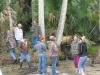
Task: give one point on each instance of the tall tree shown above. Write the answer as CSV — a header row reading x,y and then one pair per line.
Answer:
x,y
61,22
99,15
41,16
10,17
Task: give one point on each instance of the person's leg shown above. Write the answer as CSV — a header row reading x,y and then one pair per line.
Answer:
x,y
34,41
28,60
75,61
83,64
54,59
12,54
44,63
21,59
18,42
80,65
39,64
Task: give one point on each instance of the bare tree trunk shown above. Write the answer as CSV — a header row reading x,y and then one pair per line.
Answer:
x,y
2,34
99,15
10,18
61,22
41,16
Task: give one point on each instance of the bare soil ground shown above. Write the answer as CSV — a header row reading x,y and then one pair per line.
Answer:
x,y
64,68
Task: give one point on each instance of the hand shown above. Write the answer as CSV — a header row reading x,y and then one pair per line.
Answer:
x,y
32,30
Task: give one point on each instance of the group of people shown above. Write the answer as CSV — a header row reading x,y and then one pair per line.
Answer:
x,y
38,45
79,53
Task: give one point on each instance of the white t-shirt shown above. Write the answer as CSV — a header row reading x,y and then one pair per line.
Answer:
x,y
1,72
18,33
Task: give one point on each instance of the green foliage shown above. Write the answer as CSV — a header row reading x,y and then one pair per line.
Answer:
x,y
2,4
93,50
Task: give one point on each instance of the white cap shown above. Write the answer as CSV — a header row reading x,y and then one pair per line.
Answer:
x,y
52,38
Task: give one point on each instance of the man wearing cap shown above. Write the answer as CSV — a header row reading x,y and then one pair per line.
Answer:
x,y
40,47
18,32
36,33
23,47
53,52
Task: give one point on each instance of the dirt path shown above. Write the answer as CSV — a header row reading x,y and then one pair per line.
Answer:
x,y
68,67
64,68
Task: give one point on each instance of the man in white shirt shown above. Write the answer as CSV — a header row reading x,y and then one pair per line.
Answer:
x,y
1,72
18,32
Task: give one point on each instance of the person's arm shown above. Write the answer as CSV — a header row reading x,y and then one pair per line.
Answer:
x,y
44,47
20,47
80,49
31,29
7,40
72,47
55,48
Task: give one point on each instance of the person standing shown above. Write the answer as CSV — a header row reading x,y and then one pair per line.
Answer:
x,y
36,33
41,48
18,32
23,47
53,52
83,56
74,50
11,42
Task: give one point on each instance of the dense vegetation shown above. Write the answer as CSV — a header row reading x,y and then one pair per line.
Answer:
x,y
82,16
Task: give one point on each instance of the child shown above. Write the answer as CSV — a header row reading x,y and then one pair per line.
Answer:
x,y
10,40
41,48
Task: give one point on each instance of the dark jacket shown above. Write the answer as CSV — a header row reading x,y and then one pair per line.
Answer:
x,y
23,46
82,49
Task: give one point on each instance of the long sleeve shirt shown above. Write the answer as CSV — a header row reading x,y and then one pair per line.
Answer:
x,y
40,47
53,49
36,31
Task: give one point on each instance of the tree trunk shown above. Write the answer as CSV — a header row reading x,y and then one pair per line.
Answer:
x,y
99,18
41,16
61,22
10,18
99,15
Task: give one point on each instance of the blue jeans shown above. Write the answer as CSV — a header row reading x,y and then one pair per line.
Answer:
x,y
23,55
42,63
54,60
18,41
12,53
81,64
34,41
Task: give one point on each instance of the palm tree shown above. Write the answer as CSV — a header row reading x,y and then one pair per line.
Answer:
x,y
61,22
